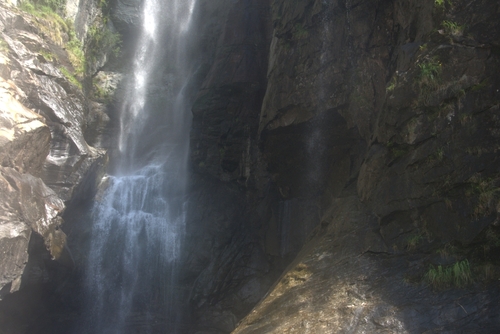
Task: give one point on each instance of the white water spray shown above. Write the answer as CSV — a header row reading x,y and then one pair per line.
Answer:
x,y
139,221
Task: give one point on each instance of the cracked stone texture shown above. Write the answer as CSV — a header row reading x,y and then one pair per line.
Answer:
x,y
345,281
27,205
45,159
419,151
46,91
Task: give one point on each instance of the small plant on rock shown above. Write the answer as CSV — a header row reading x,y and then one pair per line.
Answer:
x,y
47,55
75,53
442,3
101,39
439,3
430,71
453,28
457,275
70,77
487,192
392,84
413,240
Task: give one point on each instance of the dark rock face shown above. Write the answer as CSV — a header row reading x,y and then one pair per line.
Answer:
x,y
414,87
225,113
127,15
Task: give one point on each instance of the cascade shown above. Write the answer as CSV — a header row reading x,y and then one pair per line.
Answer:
x,y
138,222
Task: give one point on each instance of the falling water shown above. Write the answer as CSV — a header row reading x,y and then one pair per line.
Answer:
x,y
139,220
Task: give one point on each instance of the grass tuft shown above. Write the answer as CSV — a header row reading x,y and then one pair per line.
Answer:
x,y
71,78
429,72
61,32
457,275
453,28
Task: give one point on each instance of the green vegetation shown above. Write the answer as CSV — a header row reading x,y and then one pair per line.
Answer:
x,y
71,78
287,46
99,92
60,31
413,240
430,71
480,86
439,154
55,27
456,275
428,79
101,39
44,5
27,7
75,54
392,84
487,192
104,6
441,3
452,28
49,56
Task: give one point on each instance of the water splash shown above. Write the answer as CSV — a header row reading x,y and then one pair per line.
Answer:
x,y
139,221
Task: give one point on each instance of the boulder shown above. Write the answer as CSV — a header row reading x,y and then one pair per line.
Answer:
x,y
27,205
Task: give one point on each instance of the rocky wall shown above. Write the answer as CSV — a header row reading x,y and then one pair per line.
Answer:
x,y
45,158
365,130
413,83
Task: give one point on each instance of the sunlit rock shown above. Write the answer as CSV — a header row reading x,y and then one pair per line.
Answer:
x,y
24,138
26,205
43,119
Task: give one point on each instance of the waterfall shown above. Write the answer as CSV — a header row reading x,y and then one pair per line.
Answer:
x,y
138,222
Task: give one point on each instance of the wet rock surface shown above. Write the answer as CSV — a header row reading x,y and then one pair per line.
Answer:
x,y
345,281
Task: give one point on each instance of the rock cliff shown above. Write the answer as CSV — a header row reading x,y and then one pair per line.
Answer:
x,y
387,109
45,159
408,165
344,163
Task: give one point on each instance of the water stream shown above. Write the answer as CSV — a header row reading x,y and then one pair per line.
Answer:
x,y
139,220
